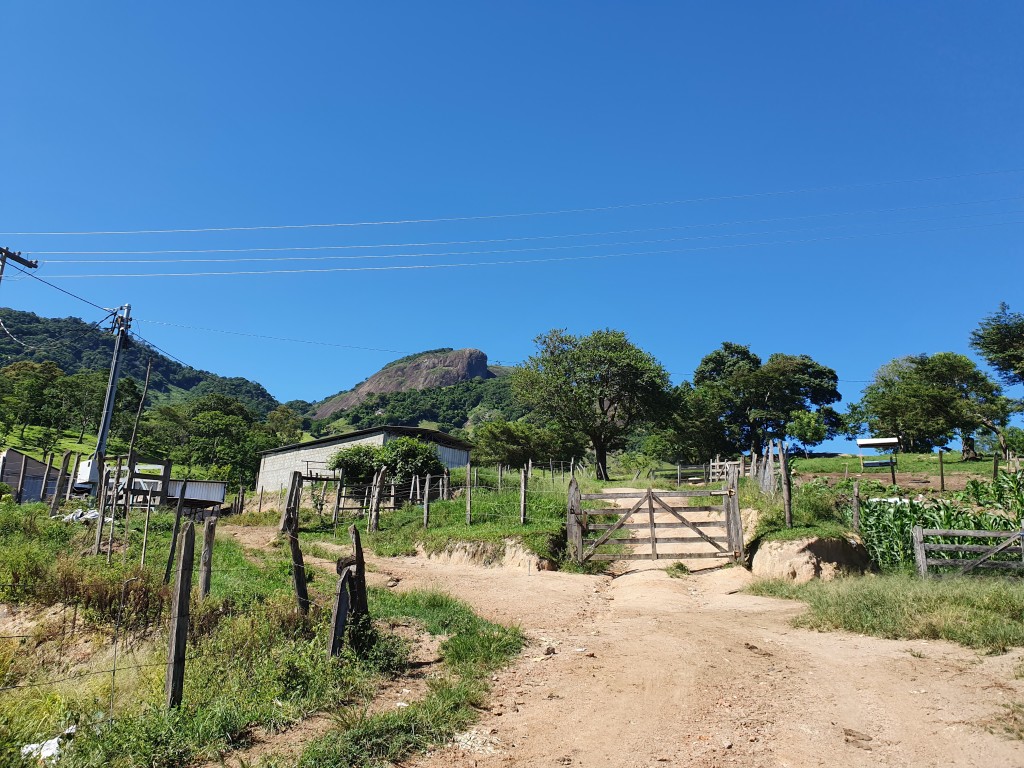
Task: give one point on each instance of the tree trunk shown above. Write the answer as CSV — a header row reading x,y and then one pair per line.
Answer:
x,y
601,452
967,450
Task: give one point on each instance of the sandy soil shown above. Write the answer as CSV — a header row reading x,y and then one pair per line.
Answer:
x,y
639,669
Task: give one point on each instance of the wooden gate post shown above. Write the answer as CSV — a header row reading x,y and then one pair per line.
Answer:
x,y
920,557
175,679
573,521
426,502
206,558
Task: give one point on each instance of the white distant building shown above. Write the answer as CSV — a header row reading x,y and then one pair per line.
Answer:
x,y
277,465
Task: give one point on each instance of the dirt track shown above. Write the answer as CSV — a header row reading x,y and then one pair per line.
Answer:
x,y
648,671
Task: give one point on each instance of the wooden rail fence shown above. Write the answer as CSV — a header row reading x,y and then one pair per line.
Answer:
x,y
1009,544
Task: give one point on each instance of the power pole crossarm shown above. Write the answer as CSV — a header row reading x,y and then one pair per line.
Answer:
x,y
7,253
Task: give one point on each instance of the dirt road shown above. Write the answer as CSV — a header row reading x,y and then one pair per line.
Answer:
x,y
642,669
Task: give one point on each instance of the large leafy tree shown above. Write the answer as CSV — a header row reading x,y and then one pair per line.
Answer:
x,y
999,338
694,432
756,400
27,383
516,442
927,400
601,386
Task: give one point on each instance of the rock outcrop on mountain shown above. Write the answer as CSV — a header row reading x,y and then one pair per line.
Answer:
x,y
426,370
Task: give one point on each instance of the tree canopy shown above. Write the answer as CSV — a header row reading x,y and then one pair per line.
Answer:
x,y
601,386
999,338
927,400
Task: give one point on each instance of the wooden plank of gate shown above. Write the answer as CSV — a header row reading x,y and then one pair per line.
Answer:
x,y
678,556
687,539
614,528
972,534
650,519
991,553
698,523
689,525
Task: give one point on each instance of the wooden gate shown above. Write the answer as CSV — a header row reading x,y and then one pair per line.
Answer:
x,y
708,530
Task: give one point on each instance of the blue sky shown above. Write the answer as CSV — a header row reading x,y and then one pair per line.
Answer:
x,y
844,180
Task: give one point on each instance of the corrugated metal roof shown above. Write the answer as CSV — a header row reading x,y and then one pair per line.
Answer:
x,y
431,435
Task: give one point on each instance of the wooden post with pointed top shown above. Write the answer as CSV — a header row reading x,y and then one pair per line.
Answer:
x,y
175,680
206,558
55,502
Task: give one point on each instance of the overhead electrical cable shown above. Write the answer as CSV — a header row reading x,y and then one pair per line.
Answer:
x,y
272,338
351,246
526,214
397,267
574,246
62,290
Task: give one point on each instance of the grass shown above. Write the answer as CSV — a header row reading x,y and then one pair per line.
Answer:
x,y
677,571
978,612
256,663
1011,721
818,510
916,463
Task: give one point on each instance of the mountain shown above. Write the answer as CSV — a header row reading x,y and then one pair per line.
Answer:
x,y
76,346
423,371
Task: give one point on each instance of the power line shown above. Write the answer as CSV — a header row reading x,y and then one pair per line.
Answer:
x,y
507,262
163,351
557,212
272,338
573,246
281,249
66,292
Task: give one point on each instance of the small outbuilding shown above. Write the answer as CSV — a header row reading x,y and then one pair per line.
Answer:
x,y
277,465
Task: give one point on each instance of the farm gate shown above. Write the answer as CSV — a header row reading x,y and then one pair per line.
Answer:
x,y
674,529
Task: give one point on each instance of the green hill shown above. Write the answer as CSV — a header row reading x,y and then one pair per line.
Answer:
x,y
77,346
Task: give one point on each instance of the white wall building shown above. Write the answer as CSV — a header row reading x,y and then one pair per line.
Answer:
x,y
277,465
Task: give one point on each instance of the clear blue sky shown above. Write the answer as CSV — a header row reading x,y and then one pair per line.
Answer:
x,y
133,116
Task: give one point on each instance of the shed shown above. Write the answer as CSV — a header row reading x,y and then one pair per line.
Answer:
x,y
18,466
277,465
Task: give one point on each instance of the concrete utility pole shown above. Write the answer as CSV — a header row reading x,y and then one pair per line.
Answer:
x,y
121,324
7,253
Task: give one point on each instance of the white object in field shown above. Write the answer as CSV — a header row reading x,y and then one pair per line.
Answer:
x,y
87,473
49,750
877,442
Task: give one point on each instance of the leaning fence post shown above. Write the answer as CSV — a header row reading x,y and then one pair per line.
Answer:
x,y
180,618
298,571
206,558
522,497
426,502
175,528
341,610
919,554
55,503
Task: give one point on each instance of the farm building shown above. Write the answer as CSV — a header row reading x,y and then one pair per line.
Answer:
x,y
20,470
311,458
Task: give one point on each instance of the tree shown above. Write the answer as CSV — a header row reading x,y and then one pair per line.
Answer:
x,y
403,456
807,427
694,433
600,386
28,384
999,338
358,463
285,424
926,400
516,442
757,400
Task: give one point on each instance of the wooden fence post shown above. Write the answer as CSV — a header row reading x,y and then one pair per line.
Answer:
x,y
113,509
341,610
175,528
19,492
73,478
55,503
206,558
298,570
49,466
787,491
920,557
375,494
856,505
426,502
522,497
101,505
291,507
995,466
574,522
942,472
180,619
500,473
469,495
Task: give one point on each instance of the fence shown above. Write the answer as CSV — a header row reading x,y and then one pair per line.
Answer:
x,y
967,550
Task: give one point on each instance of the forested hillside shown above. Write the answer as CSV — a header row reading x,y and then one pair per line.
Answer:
x,y
79,347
